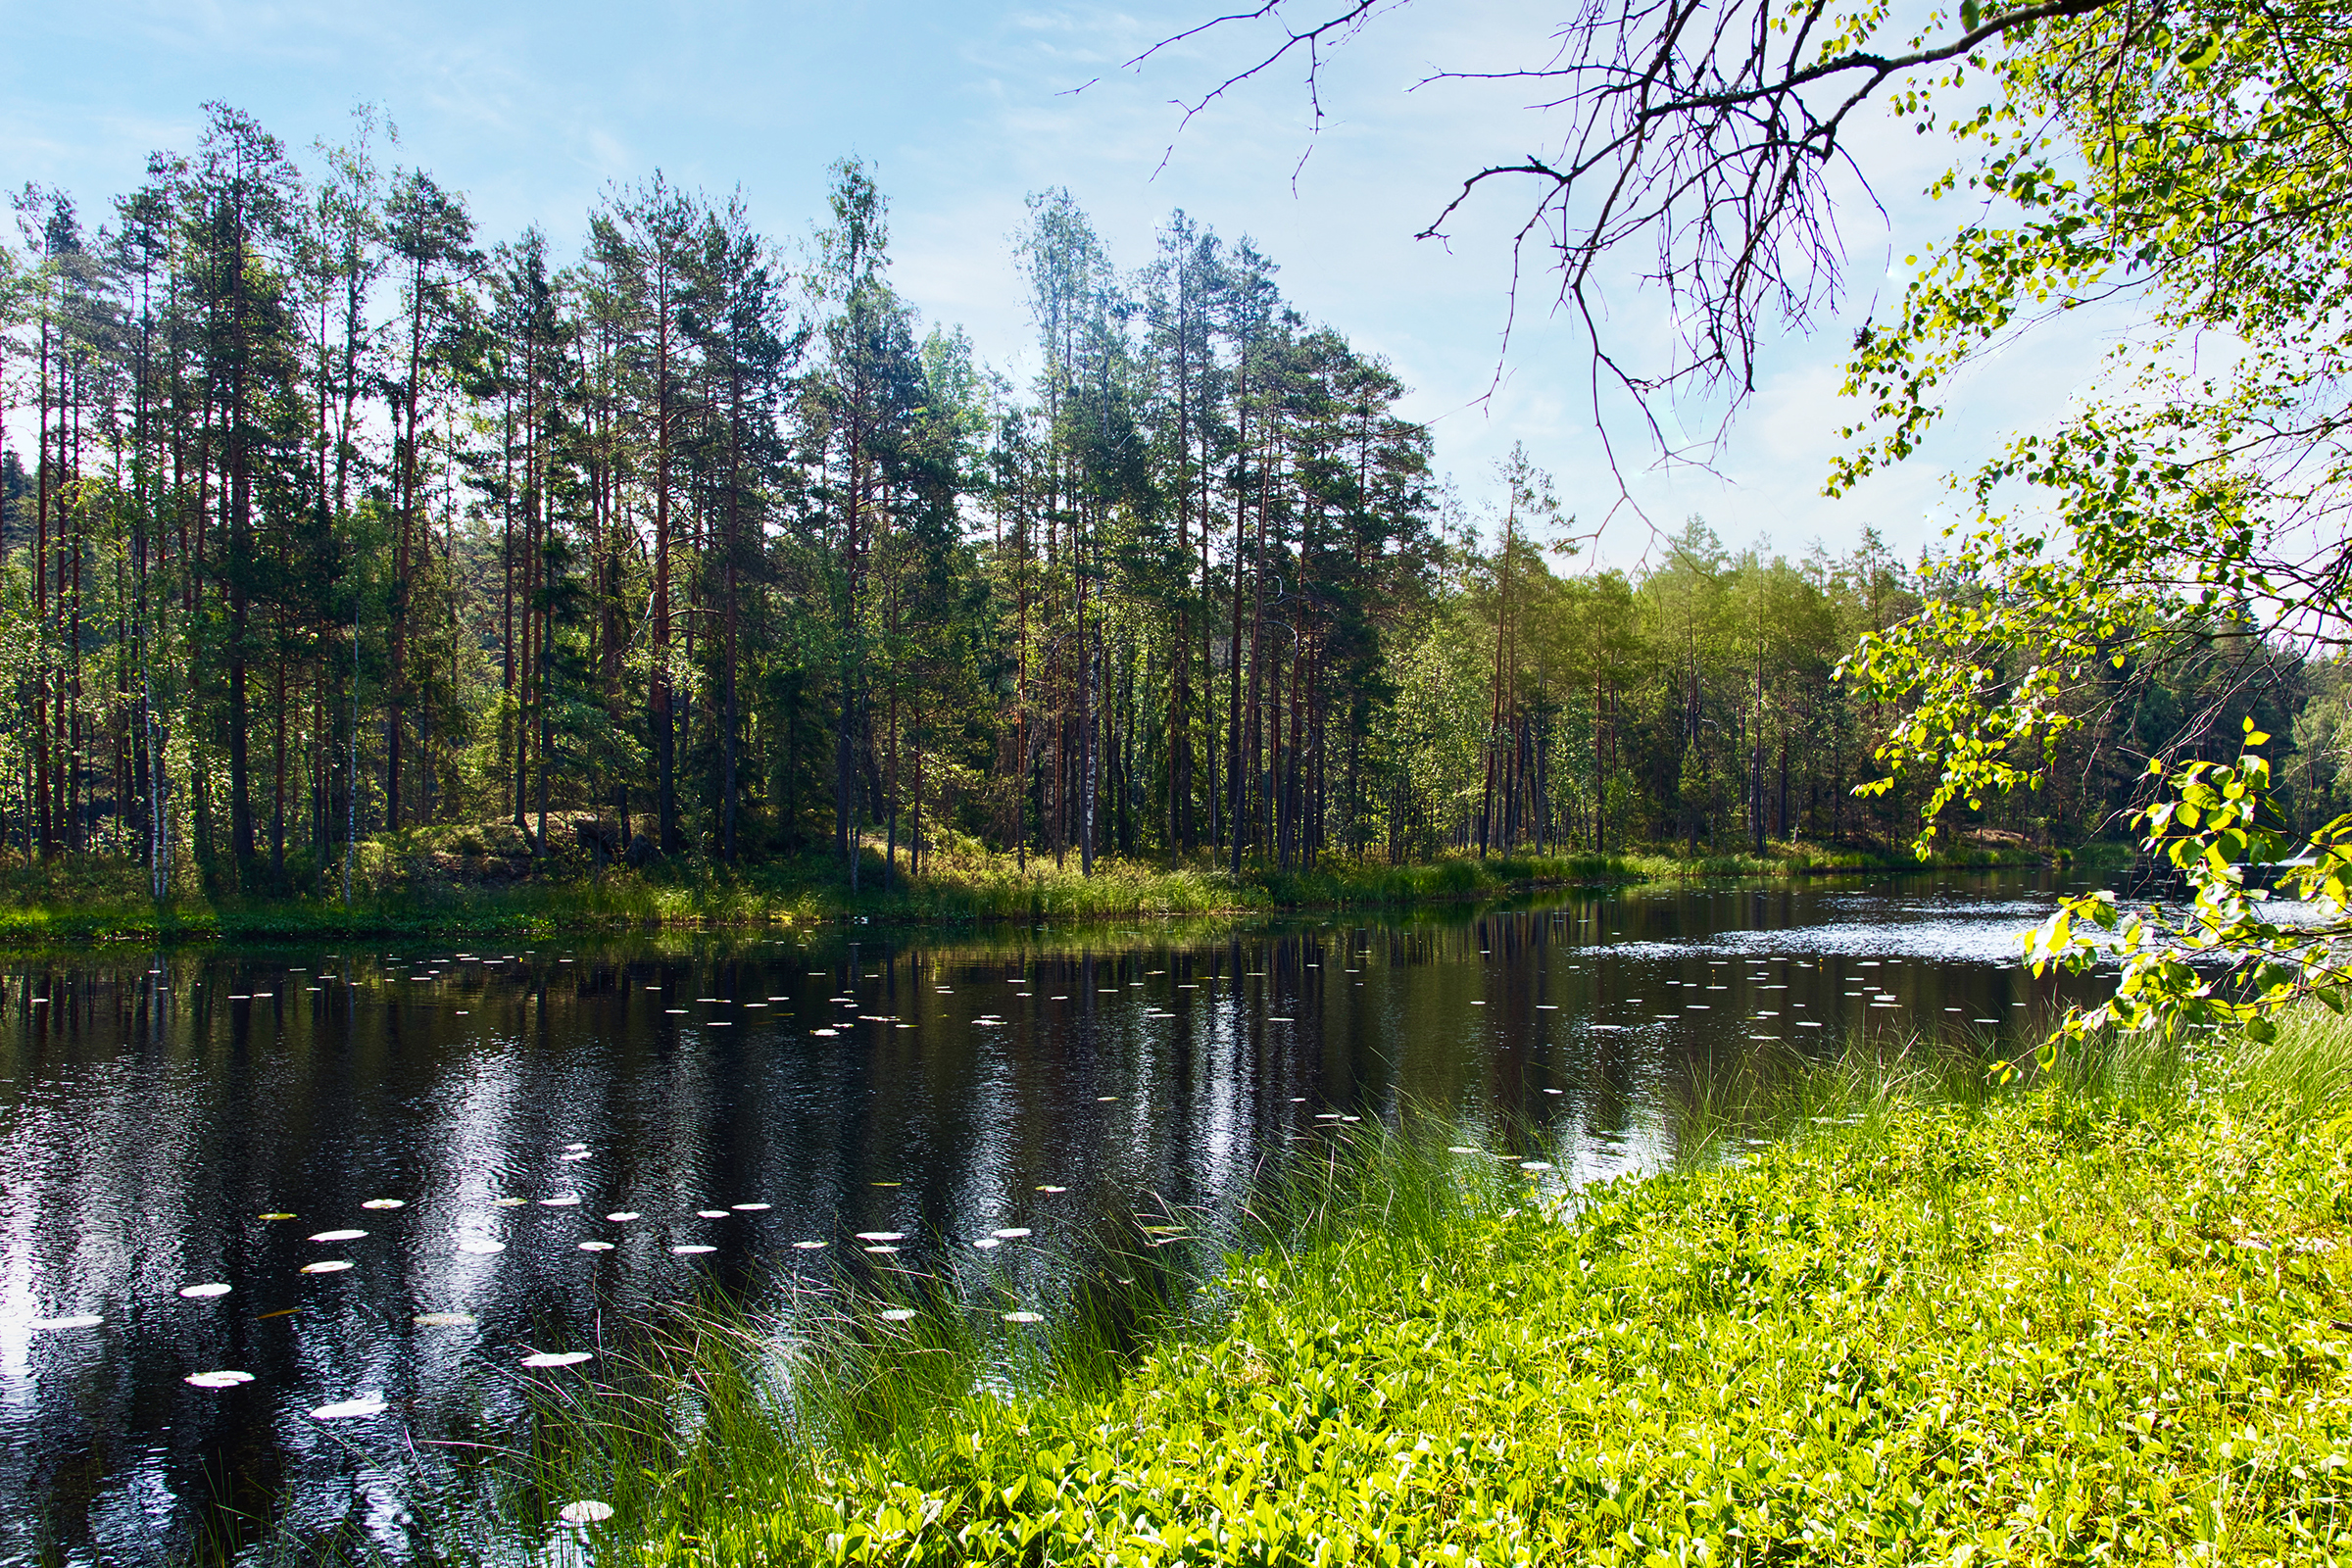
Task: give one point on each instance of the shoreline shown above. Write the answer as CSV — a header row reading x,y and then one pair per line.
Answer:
x,y
43,909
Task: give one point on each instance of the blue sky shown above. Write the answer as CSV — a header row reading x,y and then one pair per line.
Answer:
x,y
533,110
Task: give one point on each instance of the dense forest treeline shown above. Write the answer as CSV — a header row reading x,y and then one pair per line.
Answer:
x,y
326,517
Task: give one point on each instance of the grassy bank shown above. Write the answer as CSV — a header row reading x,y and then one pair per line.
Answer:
x,y
418,886
1920,1321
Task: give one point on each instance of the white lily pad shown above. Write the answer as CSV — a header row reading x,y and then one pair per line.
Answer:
x,y
709,1214
480,1246
753,1208
342,1410
624,1217
199,1292
543,1358
338,1236
810,1247
987,1243
692,1248
587,1511
897,1314
217,1380
566,1201
332,1266
881,1236
596,1247
881,1246
443,1320
1053,1189
1023,1317
1535,1164
385,1202
1011,1232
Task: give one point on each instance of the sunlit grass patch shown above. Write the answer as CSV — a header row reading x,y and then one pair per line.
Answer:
x,y
1888,1309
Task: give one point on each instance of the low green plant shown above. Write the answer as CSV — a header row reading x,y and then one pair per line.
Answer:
x,y
1897,1311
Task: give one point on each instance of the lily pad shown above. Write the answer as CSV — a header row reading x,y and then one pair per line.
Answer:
x,y
364,1404
480,1246
443,1320
587,1511
692,1248
200,1291
338,1236
332,1266
544,1358
217,1380
1023,1317
385,1202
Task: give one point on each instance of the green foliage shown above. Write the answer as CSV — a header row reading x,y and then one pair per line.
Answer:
x,y
2224,960
2178,531
2188,160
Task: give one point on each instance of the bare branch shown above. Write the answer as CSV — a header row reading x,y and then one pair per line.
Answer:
x,y
1702,130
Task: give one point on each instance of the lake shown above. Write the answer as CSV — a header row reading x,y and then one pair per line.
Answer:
x,y
350,1192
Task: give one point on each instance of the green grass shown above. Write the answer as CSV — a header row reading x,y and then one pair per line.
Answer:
x,y
426,883
1922,1319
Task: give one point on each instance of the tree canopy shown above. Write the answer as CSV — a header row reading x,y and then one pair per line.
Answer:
x,y
341,522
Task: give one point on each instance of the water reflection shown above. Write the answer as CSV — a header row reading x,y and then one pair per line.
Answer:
x,y
575,1136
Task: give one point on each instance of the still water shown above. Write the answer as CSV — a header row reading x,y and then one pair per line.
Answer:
x,y
374,1181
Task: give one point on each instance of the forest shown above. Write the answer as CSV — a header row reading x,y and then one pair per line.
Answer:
x,y
328,518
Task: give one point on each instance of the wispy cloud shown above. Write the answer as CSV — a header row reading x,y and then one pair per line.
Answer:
x,y
965,109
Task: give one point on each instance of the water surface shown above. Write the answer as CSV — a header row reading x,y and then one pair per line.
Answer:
x,y
200,1118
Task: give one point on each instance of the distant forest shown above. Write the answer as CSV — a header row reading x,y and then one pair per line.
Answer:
x,y
339,519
